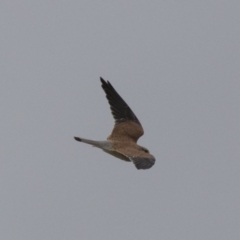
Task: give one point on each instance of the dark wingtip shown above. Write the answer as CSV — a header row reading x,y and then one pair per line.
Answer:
x,y
102,80
119,108
78,139
105,84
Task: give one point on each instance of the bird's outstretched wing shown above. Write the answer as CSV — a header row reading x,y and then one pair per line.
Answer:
x,y
120,110
141,160
127,125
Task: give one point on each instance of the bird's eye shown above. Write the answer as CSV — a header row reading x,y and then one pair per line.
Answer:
x,y
145,150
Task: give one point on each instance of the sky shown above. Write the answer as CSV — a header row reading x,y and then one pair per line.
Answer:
x,y
177,65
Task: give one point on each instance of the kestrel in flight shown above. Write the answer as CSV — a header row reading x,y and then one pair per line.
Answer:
x,y
122,143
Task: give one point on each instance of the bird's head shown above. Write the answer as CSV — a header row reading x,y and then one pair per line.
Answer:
x,y
144,149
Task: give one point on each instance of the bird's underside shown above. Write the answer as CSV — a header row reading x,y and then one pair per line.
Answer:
x,y
122,142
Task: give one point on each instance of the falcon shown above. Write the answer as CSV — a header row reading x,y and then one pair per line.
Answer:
x,y
122,142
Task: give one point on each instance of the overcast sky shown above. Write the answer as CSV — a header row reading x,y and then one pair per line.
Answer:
x,y
177,65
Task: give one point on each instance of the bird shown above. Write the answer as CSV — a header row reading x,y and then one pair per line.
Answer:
x,y
122,142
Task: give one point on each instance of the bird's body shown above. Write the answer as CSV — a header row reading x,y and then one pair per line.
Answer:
x,y
122,143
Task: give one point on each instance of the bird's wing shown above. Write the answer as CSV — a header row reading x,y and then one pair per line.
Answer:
x,y
127,126
142,160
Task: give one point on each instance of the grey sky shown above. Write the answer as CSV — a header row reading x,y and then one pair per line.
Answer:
x,y
176,63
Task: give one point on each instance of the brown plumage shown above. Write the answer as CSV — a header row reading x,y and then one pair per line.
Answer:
x,y
122,142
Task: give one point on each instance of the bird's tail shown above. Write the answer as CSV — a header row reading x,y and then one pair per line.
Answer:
x,y
99,144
